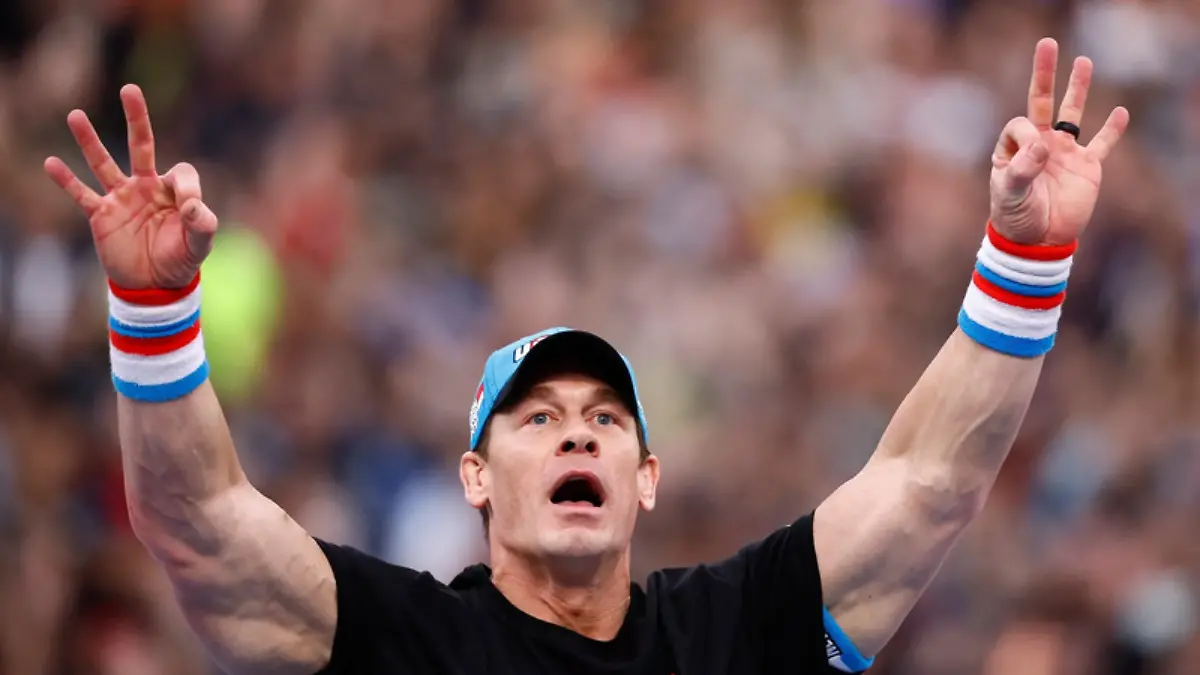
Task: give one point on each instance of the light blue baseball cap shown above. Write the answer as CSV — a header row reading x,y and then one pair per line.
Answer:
x,y
561,348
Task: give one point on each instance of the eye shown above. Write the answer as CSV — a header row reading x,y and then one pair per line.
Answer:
x,y
539,419
604,419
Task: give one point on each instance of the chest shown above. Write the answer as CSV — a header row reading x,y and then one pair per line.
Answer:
x,y
654,649
507,651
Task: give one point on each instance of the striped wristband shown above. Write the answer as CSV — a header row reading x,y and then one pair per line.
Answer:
x,y
1015,298
155,345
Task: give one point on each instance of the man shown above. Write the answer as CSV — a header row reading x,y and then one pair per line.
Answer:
x,y
559,464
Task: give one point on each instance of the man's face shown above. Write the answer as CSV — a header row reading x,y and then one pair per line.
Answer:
x,y
564,476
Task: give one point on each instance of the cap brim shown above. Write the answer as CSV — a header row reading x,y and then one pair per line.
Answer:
x,y
572,351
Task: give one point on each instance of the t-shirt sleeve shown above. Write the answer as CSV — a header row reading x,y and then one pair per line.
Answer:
x,y
782,591
766,598
390,618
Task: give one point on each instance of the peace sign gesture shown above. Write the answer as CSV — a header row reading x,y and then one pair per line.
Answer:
x,y
1044,183
150,231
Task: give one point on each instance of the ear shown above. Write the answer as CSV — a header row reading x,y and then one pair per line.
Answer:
x,y
648,483
472,472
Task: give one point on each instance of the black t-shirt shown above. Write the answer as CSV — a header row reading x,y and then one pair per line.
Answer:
x,y
759,611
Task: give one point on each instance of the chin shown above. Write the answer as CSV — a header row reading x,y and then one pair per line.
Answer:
x,y
577,542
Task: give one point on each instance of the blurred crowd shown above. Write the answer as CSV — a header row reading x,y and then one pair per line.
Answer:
x,y
770,206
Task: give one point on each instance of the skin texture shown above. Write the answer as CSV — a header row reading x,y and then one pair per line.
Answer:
x,y
569,565
882,536
253,585
258,590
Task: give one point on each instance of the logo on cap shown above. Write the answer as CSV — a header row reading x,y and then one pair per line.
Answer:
x,y
523,351
474,416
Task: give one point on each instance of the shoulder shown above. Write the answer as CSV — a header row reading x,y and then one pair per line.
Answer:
x,y
365,579
786,554
356,563
763,603
389,616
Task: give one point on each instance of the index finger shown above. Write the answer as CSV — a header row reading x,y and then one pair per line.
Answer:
x,y
1041,84
141,135
184,181
1017,134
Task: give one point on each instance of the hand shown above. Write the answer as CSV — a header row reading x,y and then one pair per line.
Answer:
x,y
150,231
1044,183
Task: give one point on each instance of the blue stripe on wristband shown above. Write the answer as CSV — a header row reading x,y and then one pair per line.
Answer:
x,y
1006,344
1019,288
159,393
852,659
153,331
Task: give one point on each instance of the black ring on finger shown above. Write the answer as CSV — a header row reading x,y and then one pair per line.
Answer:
x,y
1068,127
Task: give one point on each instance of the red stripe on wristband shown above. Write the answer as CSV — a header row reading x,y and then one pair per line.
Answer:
x,y
155,297
1030,252
154,346
1009,298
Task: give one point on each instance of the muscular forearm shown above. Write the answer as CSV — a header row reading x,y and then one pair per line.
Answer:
x,y
883,534
956,426
252,584
255,587
179,459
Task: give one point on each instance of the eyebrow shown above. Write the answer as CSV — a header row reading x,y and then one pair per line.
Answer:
x,y
606,395
541,391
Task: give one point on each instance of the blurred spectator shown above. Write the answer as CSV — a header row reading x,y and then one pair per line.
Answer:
x,y
771,206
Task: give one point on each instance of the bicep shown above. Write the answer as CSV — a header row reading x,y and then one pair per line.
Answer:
x,y
262,597
878,545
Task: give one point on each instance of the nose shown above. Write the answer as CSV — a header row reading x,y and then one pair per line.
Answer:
x,y
580,440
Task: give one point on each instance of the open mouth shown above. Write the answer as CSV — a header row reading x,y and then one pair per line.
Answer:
x,y
578,490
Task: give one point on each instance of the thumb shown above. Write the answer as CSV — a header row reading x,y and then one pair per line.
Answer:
x,y
1024,168
199,228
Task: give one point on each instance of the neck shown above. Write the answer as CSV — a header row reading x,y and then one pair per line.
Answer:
x,y
589,597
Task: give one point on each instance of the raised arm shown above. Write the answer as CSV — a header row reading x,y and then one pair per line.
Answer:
x,y
255,587
882,536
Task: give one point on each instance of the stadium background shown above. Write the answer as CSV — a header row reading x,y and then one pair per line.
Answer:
x,y
770,206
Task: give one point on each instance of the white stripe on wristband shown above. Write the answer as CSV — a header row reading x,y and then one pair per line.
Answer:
x,y
160,369
1032,272
132,314
1030,324
155,345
